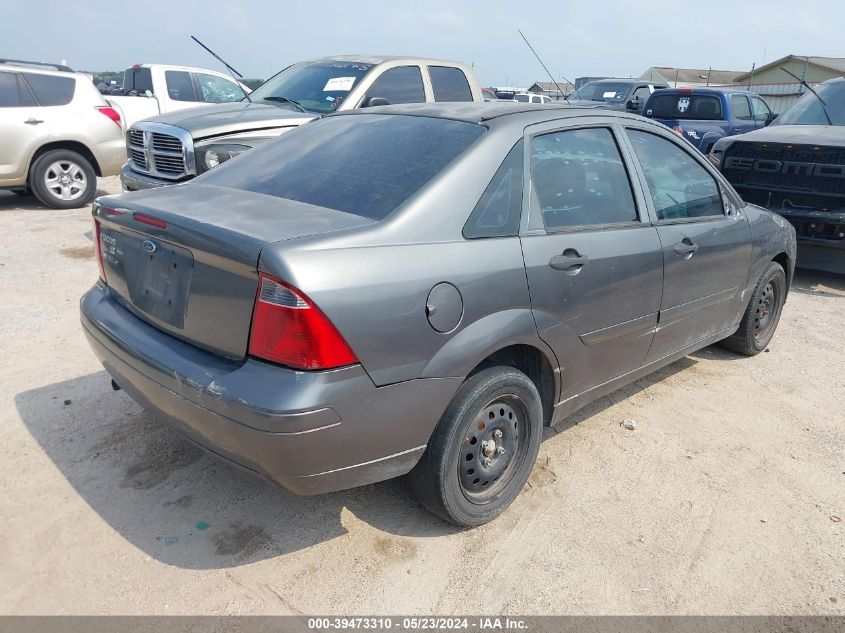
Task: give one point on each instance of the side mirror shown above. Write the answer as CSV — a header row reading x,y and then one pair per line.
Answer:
x,y
148,93
772,116
634,104
371,102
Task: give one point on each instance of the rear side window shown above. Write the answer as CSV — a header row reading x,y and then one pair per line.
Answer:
x,y
450,84
579,179
739,105
179,85
364,164
680,187
684,106
49,90
399,85
13,92
498,211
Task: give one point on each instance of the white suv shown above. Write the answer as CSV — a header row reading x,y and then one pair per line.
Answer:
x,y
57,134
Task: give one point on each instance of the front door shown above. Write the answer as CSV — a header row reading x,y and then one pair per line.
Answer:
x,y
706,243
593,259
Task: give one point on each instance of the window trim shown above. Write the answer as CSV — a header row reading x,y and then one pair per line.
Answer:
x,y
717,177
533,219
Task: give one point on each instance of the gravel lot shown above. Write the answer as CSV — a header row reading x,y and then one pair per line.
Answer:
x,y
725,499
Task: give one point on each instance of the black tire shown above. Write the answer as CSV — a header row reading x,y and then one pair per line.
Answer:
x,y
81,184
498,404
761,316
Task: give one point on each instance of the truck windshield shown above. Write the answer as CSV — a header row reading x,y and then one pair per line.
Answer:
x,y
684,106
321,163
319,86
603,91
808,110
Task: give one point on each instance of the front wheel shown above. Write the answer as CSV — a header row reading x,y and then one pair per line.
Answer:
x,y
63,179
483,448
762,315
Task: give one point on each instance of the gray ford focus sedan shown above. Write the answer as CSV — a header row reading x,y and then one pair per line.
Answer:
x,y
420,289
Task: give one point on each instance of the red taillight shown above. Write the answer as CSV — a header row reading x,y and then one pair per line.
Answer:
x,y
290,330
98,250
146,219
111,113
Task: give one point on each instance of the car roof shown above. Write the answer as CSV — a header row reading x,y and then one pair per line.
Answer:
x,y
380,59
40,71
621,80
490,111
706,90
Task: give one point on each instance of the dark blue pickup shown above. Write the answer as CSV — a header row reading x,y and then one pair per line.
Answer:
x,y
704,115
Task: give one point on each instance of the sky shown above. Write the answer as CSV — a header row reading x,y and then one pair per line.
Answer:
x,y
576,38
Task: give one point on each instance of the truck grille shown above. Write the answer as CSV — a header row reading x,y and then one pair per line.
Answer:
x,y
804,169
154,151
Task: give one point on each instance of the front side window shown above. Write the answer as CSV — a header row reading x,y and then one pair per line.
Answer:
x,y
742,111
760,110
399,85
179,85
680,187
450,84
321,163
50,90
684,106
498,211
218,90
580,180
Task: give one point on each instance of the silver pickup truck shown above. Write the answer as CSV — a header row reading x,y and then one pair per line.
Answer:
x,y
175,147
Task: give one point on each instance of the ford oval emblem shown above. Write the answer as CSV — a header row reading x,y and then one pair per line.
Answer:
x,y
150,246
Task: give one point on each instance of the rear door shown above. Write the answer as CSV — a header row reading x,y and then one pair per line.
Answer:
x,y
742,120
23,125
593,259
706,242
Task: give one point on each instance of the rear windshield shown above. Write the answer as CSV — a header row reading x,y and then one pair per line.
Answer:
x,y
140,79
684,106
364,164
604,91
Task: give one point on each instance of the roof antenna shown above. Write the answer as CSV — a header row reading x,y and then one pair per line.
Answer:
x,y
565,96
231,70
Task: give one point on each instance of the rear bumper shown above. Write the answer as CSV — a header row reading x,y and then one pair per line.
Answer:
x,y
133,181
310,432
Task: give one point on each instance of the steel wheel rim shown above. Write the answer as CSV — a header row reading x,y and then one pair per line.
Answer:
x,y
766,313
65,180
494,445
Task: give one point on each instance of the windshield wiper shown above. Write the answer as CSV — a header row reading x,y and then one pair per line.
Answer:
x,y
818,96
295,104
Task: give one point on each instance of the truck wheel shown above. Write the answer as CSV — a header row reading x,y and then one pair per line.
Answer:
x,y
483,448
761,316
63,179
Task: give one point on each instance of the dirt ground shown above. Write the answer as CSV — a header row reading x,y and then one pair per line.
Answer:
x,y
725,499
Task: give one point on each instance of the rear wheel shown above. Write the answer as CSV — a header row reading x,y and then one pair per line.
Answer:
x,y
762,315
483,448
63,179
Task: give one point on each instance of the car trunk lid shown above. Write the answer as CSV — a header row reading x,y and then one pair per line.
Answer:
x,y
184,258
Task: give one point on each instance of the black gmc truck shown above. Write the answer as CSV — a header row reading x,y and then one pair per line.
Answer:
x,y
796,167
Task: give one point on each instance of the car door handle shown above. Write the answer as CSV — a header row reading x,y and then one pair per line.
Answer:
x,y
32,121
686,248
570,262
